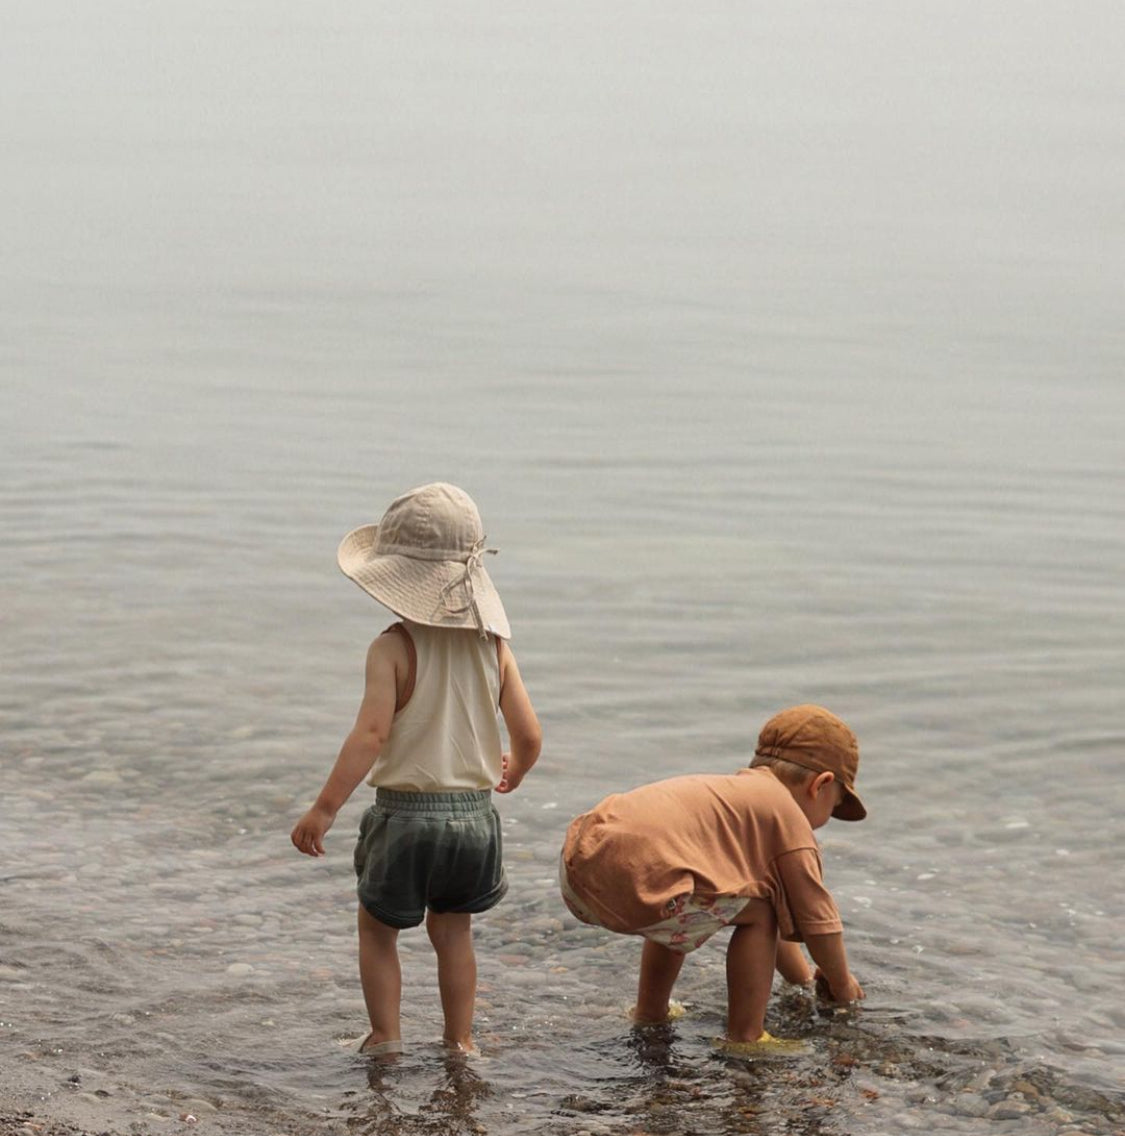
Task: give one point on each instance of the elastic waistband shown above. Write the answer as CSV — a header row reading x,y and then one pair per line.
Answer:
x,y
472,801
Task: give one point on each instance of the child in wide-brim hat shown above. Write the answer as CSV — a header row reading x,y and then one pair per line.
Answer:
x,y
427,738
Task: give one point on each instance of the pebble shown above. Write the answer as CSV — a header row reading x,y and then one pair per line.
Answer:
x,y
523,977
1009,1110
94,1097
1027,1088
199,1106
970,1104
157,1102
102,777
547,924
239,969
517,953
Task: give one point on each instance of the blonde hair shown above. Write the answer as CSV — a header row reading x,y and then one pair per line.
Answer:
x,y
789,773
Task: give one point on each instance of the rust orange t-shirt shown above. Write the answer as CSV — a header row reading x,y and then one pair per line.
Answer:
x,y
741,834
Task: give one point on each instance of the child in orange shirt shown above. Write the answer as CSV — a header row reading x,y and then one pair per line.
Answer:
x,y
679,859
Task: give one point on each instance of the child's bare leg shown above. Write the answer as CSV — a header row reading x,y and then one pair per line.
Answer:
x,y
380,976
791,963
659,969
452,936
750,962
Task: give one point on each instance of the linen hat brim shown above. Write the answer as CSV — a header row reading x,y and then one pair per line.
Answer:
x,y
430,592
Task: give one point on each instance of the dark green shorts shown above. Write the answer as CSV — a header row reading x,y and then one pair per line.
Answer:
x,y
429,850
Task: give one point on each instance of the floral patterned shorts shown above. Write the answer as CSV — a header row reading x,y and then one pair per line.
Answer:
x,y
691,919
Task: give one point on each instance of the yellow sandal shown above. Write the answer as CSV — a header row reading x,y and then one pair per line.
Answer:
x,y
766,1046
675,1010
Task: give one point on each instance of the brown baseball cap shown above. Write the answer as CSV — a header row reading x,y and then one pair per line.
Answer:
x,y
816,739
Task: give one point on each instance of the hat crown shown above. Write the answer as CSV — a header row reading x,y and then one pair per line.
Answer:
x,y
811,732
436,521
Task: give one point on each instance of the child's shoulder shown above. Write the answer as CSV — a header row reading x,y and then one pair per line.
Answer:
x,y
397,631
393,643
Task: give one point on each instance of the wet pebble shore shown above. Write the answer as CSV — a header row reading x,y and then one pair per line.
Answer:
x,y
212,1008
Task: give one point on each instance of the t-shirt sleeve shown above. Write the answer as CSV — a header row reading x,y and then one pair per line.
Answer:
x,y
804,906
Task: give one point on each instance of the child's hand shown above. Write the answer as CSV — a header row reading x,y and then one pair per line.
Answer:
x,y
509,778
850,990
308,832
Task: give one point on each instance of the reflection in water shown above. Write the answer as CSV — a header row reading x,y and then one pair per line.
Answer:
x,y
652,1046
451,1109
731,1095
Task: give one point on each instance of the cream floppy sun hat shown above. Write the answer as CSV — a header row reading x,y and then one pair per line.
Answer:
x,y
424,561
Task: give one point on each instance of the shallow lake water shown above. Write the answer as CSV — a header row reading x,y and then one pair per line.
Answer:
x,y
783,354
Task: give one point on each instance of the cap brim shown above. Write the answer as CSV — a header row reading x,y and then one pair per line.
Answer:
x,y
418,590
850,808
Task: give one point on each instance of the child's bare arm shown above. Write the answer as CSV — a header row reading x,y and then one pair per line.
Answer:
x,y
832,965
524,732
360,748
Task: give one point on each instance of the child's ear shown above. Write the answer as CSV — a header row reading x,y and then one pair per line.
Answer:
x,y
820,782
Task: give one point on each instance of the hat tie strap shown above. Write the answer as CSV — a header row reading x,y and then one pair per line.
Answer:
x,y
472,563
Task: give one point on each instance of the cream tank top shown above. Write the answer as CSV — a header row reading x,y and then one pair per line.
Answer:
x,y
447,736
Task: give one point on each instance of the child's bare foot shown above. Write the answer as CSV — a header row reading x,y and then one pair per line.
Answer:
x,y
382,1050
465,1047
